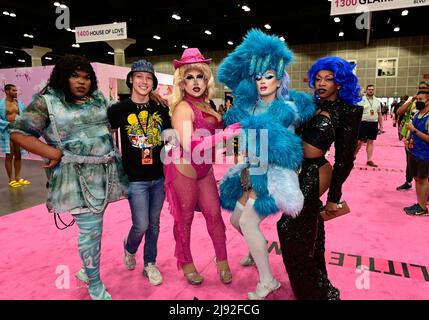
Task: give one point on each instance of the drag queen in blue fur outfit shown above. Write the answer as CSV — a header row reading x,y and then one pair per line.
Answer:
x,y
266,182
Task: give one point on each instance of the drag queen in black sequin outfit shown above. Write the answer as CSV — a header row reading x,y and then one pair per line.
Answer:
x,y
337,120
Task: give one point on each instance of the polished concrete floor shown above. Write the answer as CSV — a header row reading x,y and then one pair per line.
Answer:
x,y
16,199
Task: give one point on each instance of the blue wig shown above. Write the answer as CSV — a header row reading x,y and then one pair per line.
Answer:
x,y
343,76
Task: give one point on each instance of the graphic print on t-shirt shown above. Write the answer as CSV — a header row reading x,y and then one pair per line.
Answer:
x,y
144,130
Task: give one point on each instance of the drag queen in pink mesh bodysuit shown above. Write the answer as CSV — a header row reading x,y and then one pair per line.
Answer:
x,y
189,180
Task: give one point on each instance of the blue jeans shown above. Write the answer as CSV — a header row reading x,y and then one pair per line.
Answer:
x,y
146,199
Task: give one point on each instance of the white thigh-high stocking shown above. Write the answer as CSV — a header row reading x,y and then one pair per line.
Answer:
x,y
236,215
249,224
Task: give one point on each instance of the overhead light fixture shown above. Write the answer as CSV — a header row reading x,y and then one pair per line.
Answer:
x,y
149,49
28,35
157,37
12,14
48,58
21,60
8,52
245,7
184,46
267,26
282,39
396,29
208,32
404,13
76,45
6,13
341,34
337,19
111,53
230,43
176,16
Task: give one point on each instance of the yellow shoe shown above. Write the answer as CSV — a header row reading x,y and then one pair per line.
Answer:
x,y
14,184
23,182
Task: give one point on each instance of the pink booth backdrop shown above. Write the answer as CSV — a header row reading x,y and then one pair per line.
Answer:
x,y
33,79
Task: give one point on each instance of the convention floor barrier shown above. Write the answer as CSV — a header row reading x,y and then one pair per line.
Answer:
x,y
375,252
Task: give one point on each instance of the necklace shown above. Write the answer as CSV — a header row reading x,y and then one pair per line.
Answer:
x,y
141,106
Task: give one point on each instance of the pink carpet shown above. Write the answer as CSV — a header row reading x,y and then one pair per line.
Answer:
x,y
36,257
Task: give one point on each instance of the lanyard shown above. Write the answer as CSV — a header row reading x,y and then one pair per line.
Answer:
x,y
370,103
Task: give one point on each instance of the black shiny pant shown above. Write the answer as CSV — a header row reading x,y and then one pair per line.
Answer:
x,y
302,242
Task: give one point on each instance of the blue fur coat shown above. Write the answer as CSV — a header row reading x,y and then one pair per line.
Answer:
x,y
278,188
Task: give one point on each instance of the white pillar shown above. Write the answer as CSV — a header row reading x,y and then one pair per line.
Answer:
x,y
36,54
119,47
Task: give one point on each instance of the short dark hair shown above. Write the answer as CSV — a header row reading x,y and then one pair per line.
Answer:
x,y
64,69
370,85
424,82
8,87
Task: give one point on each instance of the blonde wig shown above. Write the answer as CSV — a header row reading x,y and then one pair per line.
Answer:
x,y
178,83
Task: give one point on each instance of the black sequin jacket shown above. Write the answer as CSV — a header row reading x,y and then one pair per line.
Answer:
x,y
340,128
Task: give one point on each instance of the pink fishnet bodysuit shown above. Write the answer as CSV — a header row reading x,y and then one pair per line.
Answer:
x,y
185,194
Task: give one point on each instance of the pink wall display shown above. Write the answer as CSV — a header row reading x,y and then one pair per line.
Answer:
x,y
32,80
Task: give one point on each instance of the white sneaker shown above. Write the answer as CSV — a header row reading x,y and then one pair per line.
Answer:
x,y
129,259
153,274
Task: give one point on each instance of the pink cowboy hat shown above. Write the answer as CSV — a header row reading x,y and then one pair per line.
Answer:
x,y
190,55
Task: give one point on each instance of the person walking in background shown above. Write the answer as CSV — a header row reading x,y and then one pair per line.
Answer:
x,y
10,108
371,124
406,112
418,146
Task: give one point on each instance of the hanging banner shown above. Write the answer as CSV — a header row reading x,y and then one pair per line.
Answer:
x,y
339,7
102,32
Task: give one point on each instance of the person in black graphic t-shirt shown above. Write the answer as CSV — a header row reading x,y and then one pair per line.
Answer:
x,y
141,120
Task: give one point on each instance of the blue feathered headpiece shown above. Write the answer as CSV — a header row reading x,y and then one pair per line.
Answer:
x,y
257,53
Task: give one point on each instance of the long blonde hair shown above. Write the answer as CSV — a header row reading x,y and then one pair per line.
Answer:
x,y
179,77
